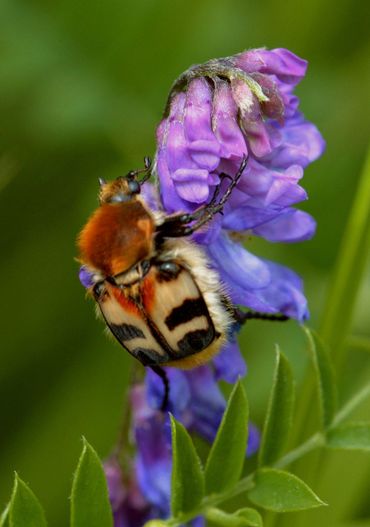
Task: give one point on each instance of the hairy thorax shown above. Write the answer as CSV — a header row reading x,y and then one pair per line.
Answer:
x,y
117,236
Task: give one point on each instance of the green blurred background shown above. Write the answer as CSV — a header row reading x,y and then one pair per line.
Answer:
x,y
82,87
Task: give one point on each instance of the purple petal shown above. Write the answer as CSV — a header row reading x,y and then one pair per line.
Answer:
x,y
150,195
254,438
192,184
267,186
285,292
199,521
170,198
226,127
229,363
179,394
86,277
113,474
290,226
207,403
198,110
203,146
241,267
248,216
280,291
281,62
153,461
300,143
205,153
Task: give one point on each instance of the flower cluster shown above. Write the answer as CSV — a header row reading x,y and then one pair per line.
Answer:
x,y
196,400
217,113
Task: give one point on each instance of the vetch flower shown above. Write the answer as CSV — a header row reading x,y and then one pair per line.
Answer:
x,y
217,113
195,397
197,401
129,507
145,494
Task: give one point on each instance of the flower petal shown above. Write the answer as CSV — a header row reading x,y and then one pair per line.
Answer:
x,y
179,394
285,292
290,226
203,146
254,439
300,143
86,277
240,266
192,184
225,125
153,461
281,62
207,403
229,363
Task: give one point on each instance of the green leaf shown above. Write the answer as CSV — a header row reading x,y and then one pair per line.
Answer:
x,y
4,519
280,491
226,458
187,488
241,518
325,378
89,501
252,516
25,509
351,436
279,414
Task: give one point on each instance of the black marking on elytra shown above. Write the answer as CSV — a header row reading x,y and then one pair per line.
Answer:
x,y
196,341
189,309
169,352
127,331
168,271
147,356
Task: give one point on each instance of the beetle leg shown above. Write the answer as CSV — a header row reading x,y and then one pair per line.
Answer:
x,y
241,316
166,384
178,225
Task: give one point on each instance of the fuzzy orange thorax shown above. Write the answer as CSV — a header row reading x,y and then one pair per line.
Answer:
x,y
116,237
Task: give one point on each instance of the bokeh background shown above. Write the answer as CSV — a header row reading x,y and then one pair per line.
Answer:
x,y
82,87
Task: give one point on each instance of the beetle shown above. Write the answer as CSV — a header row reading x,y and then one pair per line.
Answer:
x,y
154,286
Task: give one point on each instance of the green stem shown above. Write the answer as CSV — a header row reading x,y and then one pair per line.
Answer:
x,y
349,271
351,405
359,342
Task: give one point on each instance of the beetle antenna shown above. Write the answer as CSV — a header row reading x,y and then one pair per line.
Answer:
x,y
166,384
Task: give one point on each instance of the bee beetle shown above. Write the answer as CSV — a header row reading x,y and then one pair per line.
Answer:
x,y
153,285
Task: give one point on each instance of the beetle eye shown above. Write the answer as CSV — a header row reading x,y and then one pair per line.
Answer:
x,y
98,290
134,187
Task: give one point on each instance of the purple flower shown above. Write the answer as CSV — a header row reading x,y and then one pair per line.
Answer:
x,y
85,277
195,398
196,401
217,113
129,507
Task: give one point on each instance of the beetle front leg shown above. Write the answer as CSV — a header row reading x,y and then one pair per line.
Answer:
x,y
178,225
